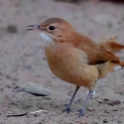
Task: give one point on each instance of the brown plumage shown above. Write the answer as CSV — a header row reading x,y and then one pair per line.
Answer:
x,y
111,44
76,58
64,64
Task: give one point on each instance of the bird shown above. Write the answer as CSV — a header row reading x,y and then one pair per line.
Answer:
x,y
75,58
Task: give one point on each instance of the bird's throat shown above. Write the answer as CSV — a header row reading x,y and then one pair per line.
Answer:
x,y
46,37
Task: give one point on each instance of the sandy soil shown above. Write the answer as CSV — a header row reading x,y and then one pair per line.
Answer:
x,y
22,61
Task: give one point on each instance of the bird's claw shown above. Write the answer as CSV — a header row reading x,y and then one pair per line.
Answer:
x,y
67,110
81,113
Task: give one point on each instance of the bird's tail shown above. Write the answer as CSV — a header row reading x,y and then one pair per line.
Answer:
x,y
112,45
121,64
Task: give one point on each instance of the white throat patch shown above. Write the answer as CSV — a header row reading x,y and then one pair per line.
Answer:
x,y
46,37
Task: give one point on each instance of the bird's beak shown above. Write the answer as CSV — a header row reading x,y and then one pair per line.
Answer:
x,y
33,27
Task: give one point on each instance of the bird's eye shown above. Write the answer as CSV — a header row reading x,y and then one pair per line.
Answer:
x,y
52,27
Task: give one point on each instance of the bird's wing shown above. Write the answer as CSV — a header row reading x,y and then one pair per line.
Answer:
x,y
96,52
103,55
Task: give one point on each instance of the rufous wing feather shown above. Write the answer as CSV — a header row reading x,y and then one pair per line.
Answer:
x,y
103,56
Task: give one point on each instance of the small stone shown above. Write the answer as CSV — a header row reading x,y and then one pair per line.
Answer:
x,y
116,102
90,109
36,90
105,121
100,101
16,115
11,29
106,100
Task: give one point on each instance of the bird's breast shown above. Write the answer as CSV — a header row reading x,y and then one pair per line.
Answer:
x,y
69,64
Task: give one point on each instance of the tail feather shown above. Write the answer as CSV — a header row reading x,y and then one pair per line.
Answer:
x,y
121,63
112,45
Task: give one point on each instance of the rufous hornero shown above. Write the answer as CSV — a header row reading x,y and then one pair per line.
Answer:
x,y
75,58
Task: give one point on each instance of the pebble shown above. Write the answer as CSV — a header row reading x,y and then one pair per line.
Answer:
x,y
116,102
105,121
37,90
11,29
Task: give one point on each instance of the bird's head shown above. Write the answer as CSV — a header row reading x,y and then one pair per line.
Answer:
x,y
54,29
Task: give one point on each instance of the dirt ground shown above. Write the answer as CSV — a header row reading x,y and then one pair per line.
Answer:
x,y
22,61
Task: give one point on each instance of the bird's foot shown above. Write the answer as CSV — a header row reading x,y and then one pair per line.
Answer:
x,y
67,110
81,113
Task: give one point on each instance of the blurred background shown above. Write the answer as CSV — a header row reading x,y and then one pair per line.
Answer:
x,y
23,62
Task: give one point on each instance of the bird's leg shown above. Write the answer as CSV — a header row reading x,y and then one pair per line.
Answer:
x,y
68,109
82,111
